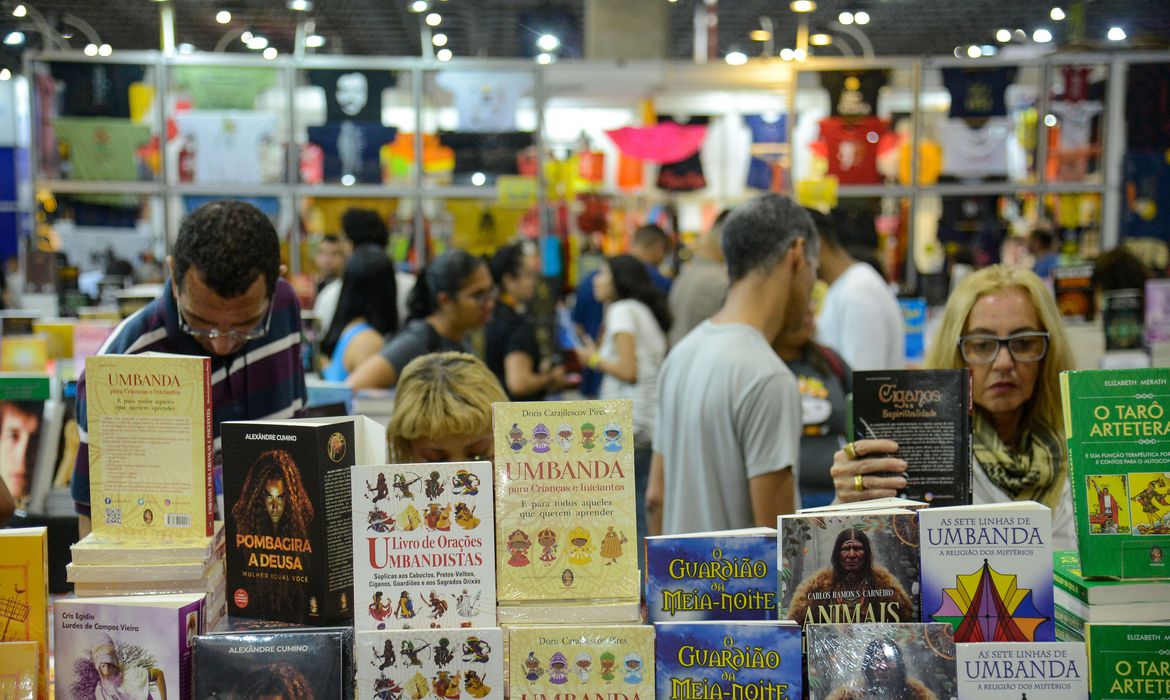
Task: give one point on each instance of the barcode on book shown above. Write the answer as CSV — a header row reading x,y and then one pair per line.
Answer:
x,y
113,516
178,520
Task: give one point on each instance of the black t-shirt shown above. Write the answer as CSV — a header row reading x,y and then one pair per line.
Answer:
x,y
978,92
685,175
510,331
354,84
853,93
418,338
96,89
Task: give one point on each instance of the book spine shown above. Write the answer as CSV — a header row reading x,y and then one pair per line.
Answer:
x,y
1070,620
1072,587
208,450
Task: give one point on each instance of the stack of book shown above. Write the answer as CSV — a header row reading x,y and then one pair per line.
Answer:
x,y
24,612
1080,600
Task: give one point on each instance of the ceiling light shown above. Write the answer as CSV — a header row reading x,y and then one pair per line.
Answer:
x,y
1116,34
974,51
270,53
19,11
105,50
5,74
246,36
314,41
419,6
257,43
443,54
90,49
760,35
736,58
1041,36
14,38
478,179
1050,120
861,17
548,42
186,48
988,50
439,40
434,19
347,180
1003,36
845,18
1020,35
300,5
223,16
799,55
544,58
820,40
959,52
1056,14
802,5
786,54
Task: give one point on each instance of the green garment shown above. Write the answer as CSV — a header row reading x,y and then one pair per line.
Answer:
x,y
224,87
102,149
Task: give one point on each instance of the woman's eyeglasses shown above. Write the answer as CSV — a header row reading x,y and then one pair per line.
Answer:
x,y
1030,346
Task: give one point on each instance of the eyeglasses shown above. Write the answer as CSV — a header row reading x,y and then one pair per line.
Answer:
x,y
484,297
213,334
1024,347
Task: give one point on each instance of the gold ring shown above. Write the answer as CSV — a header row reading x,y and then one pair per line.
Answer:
x,y
850,451
857,483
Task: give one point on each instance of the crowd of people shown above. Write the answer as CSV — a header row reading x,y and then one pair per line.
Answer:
x,y
739,392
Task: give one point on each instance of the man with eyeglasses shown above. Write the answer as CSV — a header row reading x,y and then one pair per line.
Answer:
x,y
224,299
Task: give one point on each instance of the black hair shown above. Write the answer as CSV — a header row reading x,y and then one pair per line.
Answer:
x,y
826,227
878,648
759,232
369,291
230,243
842,538
330,238
364,227
1120,269
508,260
631,280
447,273
650,234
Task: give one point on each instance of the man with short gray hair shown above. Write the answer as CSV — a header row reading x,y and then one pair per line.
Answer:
x,y
727,438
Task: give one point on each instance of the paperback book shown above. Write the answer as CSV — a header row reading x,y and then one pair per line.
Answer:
x,y
1128,662
1118,439
728,660
93,550
987,571
1068,577
928,413
900,660
1038,671
848,567
28,460
314,664
423,546
425,663
1123,319
1157,312
565,514
150,446
728,575
126,646
20,664
1073,288
595,661
286,488
24,593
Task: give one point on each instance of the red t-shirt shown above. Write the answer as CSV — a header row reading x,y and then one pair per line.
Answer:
x,y
851,146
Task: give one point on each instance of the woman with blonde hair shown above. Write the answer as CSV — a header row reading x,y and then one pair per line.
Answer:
x,y
443,410
1003,325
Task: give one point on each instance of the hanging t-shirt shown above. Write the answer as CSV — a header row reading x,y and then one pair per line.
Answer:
x,y
488,153
851,147
224,87
96,89
685,175
1147,196
978,92
485,101
101,149
1147,107
352,149
769,146
853,93
227,145
1076,122
353,94
1076,83
973,153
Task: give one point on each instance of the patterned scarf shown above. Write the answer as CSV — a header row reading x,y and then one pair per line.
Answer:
x,y
1036,471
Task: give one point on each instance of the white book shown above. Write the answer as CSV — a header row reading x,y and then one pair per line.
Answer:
x,y
1009,671
416,663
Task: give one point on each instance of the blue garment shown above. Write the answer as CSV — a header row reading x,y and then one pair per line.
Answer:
x,y
768,138
352,148
335,372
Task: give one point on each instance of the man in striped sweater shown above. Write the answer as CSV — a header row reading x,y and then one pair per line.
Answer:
x,y
224,299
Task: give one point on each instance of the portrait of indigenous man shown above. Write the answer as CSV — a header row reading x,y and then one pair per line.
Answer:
x,y
883,676
853,588
273,502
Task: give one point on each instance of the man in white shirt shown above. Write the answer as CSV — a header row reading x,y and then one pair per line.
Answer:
x,y
860,317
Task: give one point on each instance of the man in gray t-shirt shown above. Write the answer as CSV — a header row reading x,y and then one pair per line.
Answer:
x,y
727,440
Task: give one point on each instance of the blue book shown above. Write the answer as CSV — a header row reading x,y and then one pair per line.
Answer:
x,y
741,659
727,575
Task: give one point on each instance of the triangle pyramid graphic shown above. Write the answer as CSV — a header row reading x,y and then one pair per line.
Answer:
x,y
988,606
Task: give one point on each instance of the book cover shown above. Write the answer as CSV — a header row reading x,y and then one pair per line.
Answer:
x,y
24,592
430,663
1128,662
20,664
928,413
987,571
126,646
1038,671
565,519
1123,319
94,550
424,549
58,334
1068,577
850,567
1157,311
25,467
88,338
727,575
286,487
308,664
150,448
24,353
600,662
1073,287
728,660
1118,439
914,323
898,660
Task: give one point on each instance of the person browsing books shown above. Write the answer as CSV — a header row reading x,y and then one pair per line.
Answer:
x,y
443,410
1003,325
367,310
454,295
225,300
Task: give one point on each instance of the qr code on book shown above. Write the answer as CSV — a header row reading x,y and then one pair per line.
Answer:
x,y
178,520
113,516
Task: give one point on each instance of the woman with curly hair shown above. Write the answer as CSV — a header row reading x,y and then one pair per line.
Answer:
x,y
275,682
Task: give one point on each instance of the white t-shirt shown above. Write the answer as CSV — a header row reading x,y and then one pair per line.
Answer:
x,y
1064,529
228,145
325,305
862,321
1076,122
485,101
972,153
633,317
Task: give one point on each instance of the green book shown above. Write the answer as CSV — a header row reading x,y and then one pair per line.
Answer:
x,y
1118,441
1128,662
1067,575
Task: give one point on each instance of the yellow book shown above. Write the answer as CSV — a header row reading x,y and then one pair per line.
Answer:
x,y
20,663
24,596
24,353
566,534
150,446
58,333
595,661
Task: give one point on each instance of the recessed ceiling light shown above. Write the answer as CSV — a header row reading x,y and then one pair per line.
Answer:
x,y
443,54
5,74
974,51
314,41
820,40
439,40
258,43
736,58
246,36
544,58
270,53
90,49
347,180
988,50
1041,36
1056,14
548,42
1003,36
802,5
786,54
419,6
1116,34
861,17
105,50
434,19
799,54
186,48
223,16
845,18
14,38
760,35
1050,120
19,11
300,5
478,179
